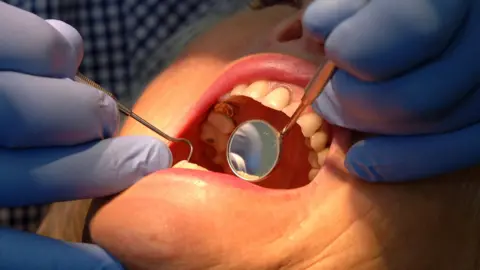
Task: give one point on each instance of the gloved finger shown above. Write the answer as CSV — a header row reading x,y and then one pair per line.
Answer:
x,y
415,102
30,45
407,33
44,175
39,111
392,159
73,37
322,16
21,250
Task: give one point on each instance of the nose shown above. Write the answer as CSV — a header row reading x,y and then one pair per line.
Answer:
x,y
292,37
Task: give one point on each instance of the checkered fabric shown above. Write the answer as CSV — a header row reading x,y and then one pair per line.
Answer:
x,y
126,43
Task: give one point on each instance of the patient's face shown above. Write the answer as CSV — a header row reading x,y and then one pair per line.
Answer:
x,y
310,213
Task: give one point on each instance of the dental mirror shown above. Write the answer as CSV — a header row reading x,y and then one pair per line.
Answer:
x,y
254,147
253,150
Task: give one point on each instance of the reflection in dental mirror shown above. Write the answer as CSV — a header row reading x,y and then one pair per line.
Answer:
x,y
253,150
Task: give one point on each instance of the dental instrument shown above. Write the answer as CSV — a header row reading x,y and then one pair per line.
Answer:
x,y
79,77
267,156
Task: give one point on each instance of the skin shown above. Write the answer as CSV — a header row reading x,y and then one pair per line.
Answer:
x,y
176,220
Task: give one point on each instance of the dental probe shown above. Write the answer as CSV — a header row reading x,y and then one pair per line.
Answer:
x,y
312,91
122,108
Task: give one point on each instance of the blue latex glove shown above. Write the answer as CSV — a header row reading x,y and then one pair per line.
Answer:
x,y
50,148
407,67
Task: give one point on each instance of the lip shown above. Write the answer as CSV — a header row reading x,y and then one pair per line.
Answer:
x,y
269,66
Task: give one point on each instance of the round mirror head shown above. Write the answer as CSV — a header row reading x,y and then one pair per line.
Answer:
x,y
253,150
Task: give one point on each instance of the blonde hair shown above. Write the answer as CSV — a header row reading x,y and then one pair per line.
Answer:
x,y
65,220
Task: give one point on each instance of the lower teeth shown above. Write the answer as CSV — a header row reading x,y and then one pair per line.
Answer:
x,y
187,165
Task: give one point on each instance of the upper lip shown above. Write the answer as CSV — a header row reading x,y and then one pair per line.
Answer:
x,y
270,67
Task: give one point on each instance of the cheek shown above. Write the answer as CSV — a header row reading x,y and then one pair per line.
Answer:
x,y
139,226
162,105
241,33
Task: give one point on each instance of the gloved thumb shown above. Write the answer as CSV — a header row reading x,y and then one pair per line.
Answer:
x,y
72,36
322,16
404,158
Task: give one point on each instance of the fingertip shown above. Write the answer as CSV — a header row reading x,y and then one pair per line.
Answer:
x,y
323,16
145,154
392,159
103,260
357,164
385,159
72,36
329,106
161,156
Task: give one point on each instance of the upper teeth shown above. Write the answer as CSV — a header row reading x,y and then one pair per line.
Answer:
x,y
256,90
279,99
310,123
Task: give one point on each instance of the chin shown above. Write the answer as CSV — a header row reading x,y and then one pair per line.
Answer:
x,y
164,216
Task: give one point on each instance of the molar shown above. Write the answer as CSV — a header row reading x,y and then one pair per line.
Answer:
x,y
309,123
318,141
221,122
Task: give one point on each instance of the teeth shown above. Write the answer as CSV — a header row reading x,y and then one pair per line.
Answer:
x,y
207,133
318,141
313,159
290,109
222,122
322,155
239,89
312,173
213,137
248,177
257,90
309,123
221,143
187,165
278,99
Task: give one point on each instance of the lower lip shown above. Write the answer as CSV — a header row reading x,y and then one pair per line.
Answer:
x,y
270,67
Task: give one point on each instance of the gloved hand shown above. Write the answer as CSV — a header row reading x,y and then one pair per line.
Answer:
x,y
50,147
406,67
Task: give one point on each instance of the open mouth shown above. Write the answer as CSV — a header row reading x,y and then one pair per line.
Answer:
x,y
267,87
